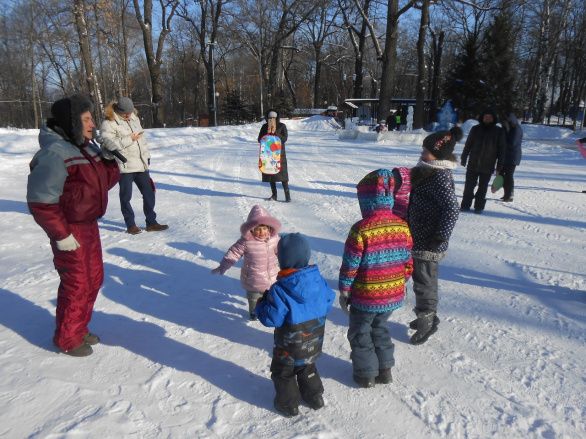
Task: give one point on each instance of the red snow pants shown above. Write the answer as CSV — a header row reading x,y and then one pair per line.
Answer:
x,y
82,273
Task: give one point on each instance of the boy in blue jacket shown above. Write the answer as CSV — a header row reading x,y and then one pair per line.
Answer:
x,y
296,306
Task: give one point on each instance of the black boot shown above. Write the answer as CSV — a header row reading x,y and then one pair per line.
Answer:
x,y
384,376
316,402
413,323
364,382
288,412
273,196
425,327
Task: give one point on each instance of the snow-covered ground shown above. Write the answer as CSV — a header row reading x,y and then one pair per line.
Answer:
x,y
179,358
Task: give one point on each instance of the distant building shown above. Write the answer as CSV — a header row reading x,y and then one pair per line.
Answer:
x,y
366,109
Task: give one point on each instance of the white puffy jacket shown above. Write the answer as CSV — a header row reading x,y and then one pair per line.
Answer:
x,y
116,134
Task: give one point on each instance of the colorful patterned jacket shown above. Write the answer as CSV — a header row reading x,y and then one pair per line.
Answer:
x,y
377,256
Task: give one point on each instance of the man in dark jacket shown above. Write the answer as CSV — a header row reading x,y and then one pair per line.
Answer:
x,y
484,149
275,127
514,136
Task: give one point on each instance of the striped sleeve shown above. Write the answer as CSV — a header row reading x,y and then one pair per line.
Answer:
x,y
353,251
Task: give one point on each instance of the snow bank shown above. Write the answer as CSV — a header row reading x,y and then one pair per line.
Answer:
x,y
313,123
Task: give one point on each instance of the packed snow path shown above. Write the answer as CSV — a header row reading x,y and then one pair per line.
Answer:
x,y
180,359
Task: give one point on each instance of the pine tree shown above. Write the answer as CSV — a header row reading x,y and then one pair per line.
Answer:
x,y
283,104
235,110
497,62
466,85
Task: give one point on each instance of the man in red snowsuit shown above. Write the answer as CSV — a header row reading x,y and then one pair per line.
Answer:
x,y
67,192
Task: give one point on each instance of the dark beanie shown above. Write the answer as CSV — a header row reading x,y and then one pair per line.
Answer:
x,y
66,114
293,251
442,143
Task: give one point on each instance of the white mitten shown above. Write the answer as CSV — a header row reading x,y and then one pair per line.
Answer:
x,y
68,244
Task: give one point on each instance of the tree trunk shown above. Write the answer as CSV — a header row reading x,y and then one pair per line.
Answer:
x,y
438,44
154,61
124,86
420,92
86,55
317,79
389,58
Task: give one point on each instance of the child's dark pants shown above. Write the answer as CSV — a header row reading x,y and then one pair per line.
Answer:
x,y
425,285
370,340
295,382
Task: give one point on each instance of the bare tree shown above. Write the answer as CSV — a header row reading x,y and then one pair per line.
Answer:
x,y
81,26
205,21
358,37
155,58
317,30
389,58
418,116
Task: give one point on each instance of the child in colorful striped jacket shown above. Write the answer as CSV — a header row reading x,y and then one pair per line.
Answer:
x,y
375,267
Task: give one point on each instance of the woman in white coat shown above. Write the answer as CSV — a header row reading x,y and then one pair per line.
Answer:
x,y
121,131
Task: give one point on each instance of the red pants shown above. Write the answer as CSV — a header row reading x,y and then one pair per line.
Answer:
x,y
82,273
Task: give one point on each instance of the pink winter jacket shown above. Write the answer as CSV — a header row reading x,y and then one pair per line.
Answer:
x,y
261,266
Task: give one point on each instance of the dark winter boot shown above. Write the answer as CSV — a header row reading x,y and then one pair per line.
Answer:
x,y
384,376
83,350
364,382
91,339
287,196
425,327
273,196
288,412
413,323
315,402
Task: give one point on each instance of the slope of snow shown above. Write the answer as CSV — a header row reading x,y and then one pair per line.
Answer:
x,y
179,358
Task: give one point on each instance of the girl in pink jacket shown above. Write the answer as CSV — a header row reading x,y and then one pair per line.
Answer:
x,y
258,246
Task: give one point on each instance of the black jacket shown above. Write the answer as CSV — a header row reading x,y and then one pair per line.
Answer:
x,y
281,131
485,148
433,211
514,139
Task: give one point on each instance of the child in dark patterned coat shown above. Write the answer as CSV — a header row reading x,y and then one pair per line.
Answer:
x,y
433,212
296,306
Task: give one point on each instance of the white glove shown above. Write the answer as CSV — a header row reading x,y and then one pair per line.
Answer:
x,y
68,244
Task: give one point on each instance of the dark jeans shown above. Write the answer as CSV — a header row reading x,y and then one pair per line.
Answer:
x,y
425,285
509,182
285,189
473,178
145,186
295,382
370,340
